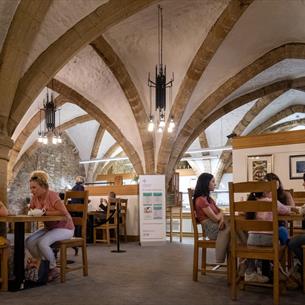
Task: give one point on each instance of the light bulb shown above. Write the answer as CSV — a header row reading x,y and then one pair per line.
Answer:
x,y
45,140
151,126
54,140
162,123
59,140
160,129
169,129
40,140
171,124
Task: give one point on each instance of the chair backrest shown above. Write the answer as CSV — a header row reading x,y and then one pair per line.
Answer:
x,y
112,210
239,205
193,213
299,198
123,204
78,210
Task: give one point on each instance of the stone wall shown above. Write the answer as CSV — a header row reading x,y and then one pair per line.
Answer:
x,y
59,161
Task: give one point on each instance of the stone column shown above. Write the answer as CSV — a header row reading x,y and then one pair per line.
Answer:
x,y
6,143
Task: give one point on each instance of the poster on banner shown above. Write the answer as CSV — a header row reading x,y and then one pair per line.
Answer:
x,y
152,208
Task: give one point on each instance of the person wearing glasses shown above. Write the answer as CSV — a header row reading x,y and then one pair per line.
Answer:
x,y
39,243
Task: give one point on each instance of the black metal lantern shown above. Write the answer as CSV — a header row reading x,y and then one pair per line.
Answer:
x,y
160,83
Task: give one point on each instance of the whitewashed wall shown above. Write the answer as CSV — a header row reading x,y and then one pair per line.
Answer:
x,y
280,163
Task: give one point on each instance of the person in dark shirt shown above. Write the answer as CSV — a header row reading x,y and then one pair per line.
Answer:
x,y
79,186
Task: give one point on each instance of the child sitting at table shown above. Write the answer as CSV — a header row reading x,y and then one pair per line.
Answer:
x,y
263,238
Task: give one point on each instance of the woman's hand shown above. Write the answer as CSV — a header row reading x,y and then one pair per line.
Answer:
x,y
221,224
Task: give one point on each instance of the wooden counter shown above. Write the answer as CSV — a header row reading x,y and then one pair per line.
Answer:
x,y
119,190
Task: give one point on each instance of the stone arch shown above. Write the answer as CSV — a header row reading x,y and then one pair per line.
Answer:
x,y
14,167
226,157
59,52
114,63
108,154
278,116
103,120
15,50
285,126
96,145
205,53
199,117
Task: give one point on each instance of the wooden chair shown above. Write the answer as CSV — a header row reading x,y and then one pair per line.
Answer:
x,y
123,223
111,224
299,199
201,242
240,223
4,255
303,268
81,220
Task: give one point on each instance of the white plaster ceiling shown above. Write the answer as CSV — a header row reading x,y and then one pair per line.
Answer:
x,y
106,143
263,26
69,111
88,74
286,69
83,137
254,34
61,15
217,132
289,98
186,24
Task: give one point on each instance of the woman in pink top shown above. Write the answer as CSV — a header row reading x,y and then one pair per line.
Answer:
x,y
39,243
210,216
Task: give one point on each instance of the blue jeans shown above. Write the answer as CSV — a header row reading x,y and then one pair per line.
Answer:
x,y
283,235
295,245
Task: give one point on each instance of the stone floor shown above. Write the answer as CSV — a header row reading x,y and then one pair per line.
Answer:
x,y
142,275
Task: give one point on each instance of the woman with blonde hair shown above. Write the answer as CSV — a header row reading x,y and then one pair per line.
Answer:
x,y
39,243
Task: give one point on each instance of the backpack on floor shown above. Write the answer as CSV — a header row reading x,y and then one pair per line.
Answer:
x,y
36,272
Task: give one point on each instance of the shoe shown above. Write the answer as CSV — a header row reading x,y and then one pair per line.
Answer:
x,y
53,274
255,277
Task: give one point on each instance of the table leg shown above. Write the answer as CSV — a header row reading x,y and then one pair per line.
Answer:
x,y
90,224
17,283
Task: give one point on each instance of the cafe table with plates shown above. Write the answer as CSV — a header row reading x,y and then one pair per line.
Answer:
x,y
19,251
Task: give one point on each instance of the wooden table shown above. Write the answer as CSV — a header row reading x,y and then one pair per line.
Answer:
x,y
290,219
19,223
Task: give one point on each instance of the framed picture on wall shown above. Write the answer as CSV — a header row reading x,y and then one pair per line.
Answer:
x,y
259,166
296,166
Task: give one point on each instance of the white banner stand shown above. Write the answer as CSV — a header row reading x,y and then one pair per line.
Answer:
x,y
152,209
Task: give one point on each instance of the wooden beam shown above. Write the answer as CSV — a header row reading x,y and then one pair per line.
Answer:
x,y
274,139
118,189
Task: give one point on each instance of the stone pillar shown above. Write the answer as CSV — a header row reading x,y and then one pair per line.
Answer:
x,y
6,143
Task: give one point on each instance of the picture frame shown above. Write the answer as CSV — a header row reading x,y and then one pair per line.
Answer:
x,y
259,166
296,166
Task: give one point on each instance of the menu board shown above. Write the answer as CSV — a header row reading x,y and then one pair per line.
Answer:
x,y
152,208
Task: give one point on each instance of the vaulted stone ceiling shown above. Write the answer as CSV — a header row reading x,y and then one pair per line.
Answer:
x,y
238,66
